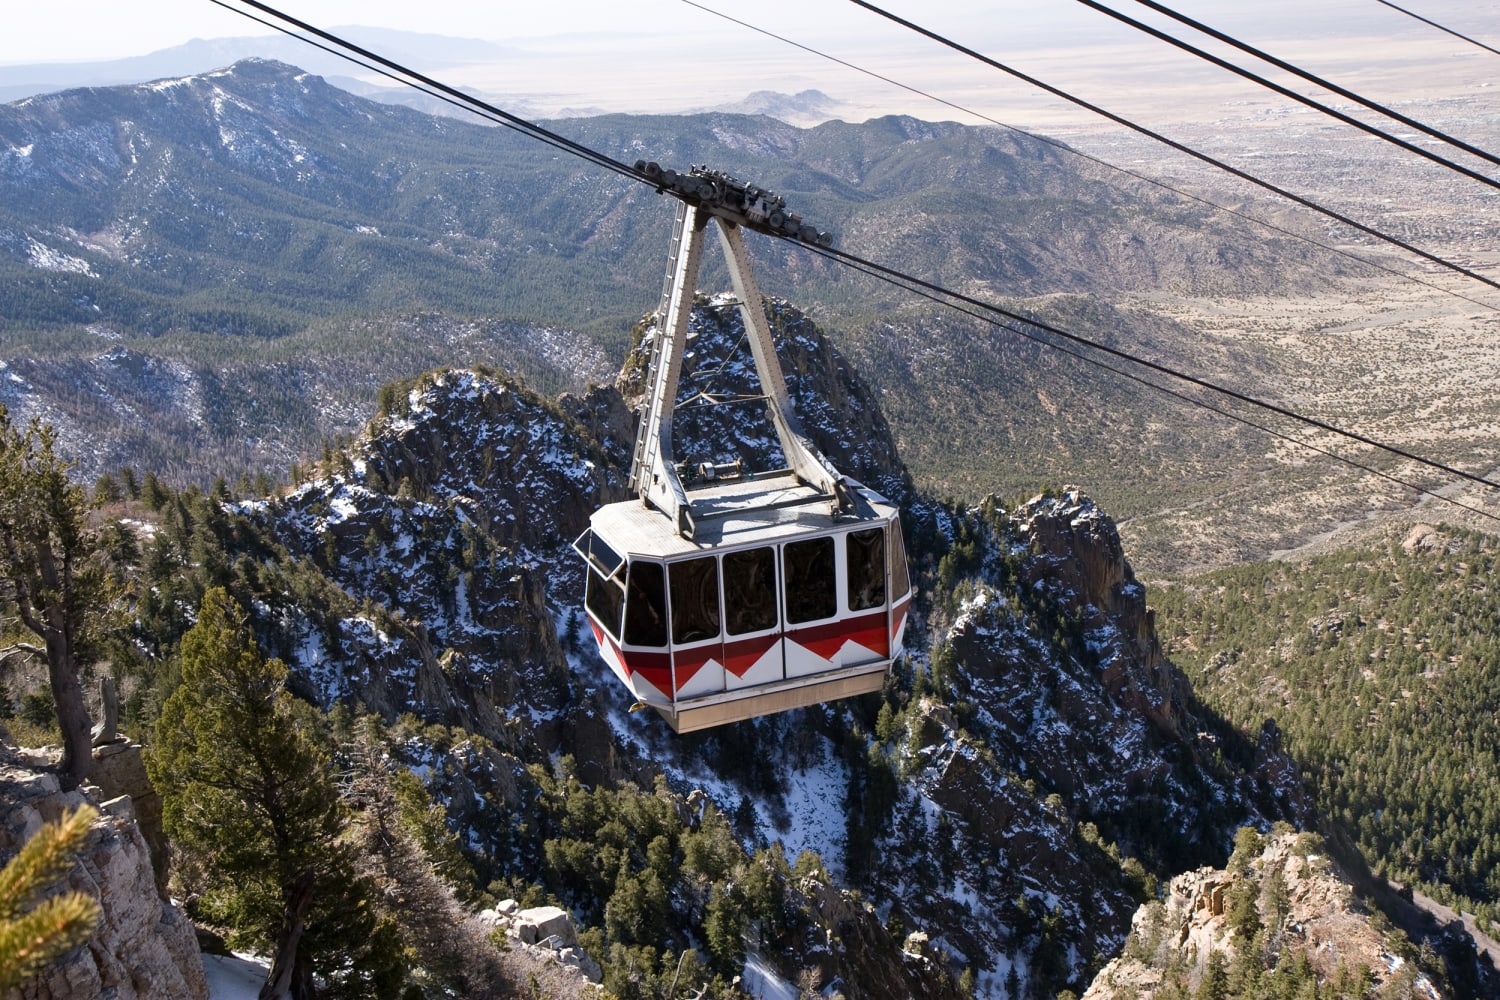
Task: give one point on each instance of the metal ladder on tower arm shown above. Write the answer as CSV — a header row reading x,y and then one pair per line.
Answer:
x,y
653,474
644,457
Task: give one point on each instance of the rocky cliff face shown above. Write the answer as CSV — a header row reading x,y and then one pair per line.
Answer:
x,y
444,531
434,542
1035,763
1054,758
1286,914
1054,643
144,948
837,410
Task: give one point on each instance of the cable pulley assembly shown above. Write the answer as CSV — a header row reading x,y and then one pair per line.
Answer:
x,y
734,201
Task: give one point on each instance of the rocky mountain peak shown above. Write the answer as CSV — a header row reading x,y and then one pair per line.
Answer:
x,y
1036,762
1283,913
1078,552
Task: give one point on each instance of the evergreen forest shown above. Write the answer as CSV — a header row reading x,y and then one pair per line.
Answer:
x,y
1380,664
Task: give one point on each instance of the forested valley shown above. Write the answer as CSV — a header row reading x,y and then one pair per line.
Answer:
x,y
1378,663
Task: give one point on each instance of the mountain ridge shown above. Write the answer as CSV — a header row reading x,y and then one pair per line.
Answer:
x,y
442,536
1034,767
199,221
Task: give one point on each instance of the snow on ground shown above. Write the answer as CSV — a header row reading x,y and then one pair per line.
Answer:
x,y
815,803
233,977
814,816
762,983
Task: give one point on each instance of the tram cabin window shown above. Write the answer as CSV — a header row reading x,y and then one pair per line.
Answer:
x,y
899,580
646,606
750,591
606,600
811,581
866,551
695,599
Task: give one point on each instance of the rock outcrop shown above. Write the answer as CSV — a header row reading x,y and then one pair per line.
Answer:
x,y
1049,745
1289,912
1076,550
547,932
143,948
120,769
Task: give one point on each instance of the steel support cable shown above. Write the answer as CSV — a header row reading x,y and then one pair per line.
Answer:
x,y
467,100
1065,148
1180,147
397,78
1440,27
912,283
1021,331
1303,99
1202,383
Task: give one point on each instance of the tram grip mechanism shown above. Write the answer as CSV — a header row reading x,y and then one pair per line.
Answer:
x,y
742,204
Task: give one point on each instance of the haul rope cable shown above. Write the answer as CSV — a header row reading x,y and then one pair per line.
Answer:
x,y
1021,331
1440,27
1064,147
454,96
867,266
1156,366
1180,147
1303,99
1394,115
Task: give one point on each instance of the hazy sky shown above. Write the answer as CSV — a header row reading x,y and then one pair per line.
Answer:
x,y
665,55
95,29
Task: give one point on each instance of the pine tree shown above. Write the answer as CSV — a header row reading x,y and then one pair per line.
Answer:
x,y
246,783
50,577
1215,984
32,932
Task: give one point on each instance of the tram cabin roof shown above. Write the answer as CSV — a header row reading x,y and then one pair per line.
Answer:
x,y
734,515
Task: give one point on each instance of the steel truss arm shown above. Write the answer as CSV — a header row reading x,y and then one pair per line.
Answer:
x,y
653,473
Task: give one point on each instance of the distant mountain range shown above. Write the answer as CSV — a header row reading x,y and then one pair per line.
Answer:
x,y
434,53
206,55
258,220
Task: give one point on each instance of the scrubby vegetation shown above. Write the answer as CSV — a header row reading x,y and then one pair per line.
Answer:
x,y
1379,666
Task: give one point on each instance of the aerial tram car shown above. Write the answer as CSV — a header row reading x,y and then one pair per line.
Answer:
x,y
750,593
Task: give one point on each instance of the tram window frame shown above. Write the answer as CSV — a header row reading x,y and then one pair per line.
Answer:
x,y
800,589
865,568
605,599
896,553
642,598
741,578
695,618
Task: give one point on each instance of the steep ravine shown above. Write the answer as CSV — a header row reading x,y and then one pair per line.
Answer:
x,y
1033,741
1033,770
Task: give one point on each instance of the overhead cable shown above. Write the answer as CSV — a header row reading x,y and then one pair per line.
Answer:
x,y
1020,330
1202,383
872,268
1303,99
467,100
1315,79
1181,147
1439,27
1073,151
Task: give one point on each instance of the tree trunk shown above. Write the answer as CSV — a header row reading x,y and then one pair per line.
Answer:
x,y
62,669
72,719
288,978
